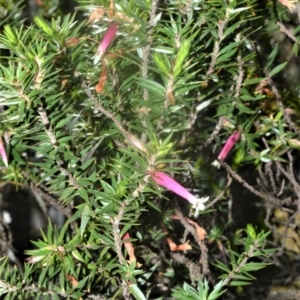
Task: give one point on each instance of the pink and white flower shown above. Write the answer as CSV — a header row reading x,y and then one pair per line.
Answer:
x,y
172,185
3,153
232,140
107,39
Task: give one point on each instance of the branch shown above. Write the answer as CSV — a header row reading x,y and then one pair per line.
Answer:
x,y
235,271
136,143
275,91
204,257
216,131
51,200
194,269
216,199
287,32
240,77
118,243
215,54
290,176
251,188
6,247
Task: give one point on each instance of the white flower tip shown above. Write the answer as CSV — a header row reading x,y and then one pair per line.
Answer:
x,y
97,58
5,163
216,164
198,205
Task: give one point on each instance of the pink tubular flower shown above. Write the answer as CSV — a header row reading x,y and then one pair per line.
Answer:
x,y
107,39
3,153
232,140
172,185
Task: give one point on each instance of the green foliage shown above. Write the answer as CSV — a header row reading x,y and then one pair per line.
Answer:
x,y
237,275
189,293
178,79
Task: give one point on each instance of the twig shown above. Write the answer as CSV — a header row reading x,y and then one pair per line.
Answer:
x,y
215,53
204,257
267,218
240,77
271,177
53,141
290,176
41,291
116,222
6,247
186,225
235,271
251,188
230,202
142,184
216,50
94,297
195,271
262,181
281,188
51,200
216,199
129,137
118,243
146,49
216,131
30,288
275,91
287,32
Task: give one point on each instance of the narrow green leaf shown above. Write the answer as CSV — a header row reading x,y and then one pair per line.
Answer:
x,y
144,277
272,56
136,292
41,23
83,194
160,61
152,86
232,28
216,293
86,215
63,122
278,69
253,81
254,266
62,280
242,277
239,283
226,56
77,255
222,266
67,193
107,187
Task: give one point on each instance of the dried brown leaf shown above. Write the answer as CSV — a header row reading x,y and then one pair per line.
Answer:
x,y
199,230
72,279
130,250
39,3
290,4
71,42
100,86
174,247
96,15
